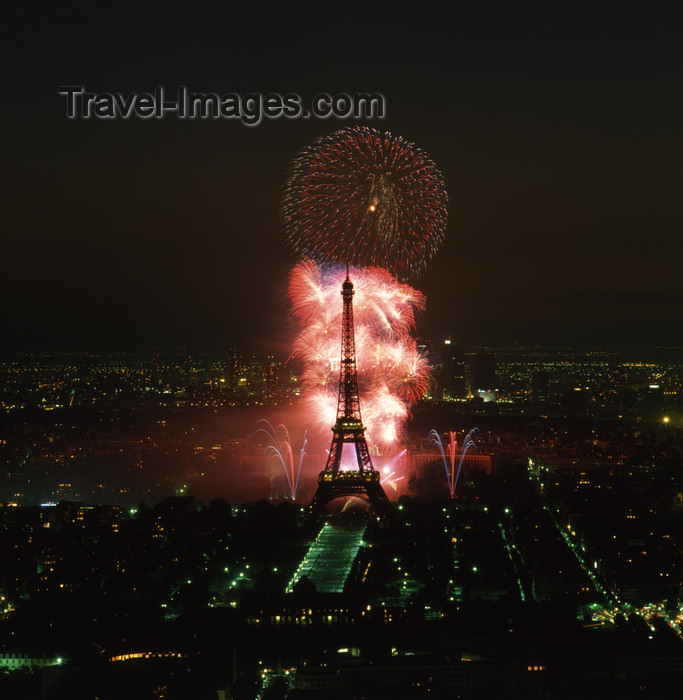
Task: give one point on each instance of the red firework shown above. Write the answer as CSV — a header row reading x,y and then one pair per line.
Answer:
x,y
368,198
392,372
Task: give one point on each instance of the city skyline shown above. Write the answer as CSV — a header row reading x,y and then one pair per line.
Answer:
x,y
556,132
157,542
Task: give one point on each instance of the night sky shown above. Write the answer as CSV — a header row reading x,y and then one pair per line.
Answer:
x,y
558,128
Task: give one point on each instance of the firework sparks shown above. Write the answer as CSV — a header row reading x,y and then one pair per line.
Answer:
x,y
363,197
278,452
468,443
392,372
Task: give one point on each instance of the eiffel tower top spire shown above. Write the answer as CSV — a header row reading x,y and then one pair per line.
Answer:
x,y
348,405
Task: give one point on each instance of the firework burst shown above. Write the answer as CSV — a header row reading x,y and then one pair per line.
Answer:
x,y
364,197
278,453
392,372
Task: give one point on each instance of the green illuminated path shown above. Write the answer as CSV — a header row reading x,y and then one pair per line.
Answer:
x,y
330,558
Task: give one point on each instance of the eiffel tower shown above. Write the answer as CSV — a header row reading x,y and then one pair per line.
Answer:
x,y
363,482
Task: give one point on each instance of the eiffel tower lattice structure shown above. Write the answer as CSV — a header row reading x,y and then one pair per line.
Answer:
x,y
336,481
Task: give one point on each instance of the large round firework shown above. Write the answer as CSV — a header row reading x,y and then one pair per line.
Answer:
x,y
363,197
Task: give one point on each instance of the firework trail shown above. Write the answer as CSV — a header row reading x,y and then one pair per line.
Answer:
x,y
279,449
451,474
392,372
467,443
389,472
364,197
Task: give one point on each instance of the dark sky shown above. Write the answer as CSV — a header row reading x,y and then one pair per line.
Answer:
x,y
558,128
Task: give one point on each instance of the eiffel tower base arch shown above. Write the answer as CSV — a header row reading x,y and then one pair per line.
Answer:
x,y
346,484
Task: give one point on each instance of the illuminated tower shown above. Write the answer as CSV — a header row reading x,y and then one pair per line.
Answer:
x,y
337,480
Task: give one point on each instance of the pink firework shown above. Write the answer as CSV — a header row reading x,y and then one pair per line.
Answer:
x,y
392,372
